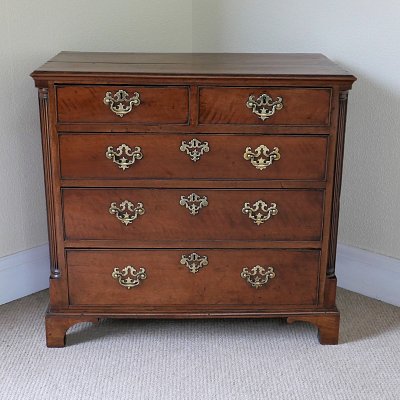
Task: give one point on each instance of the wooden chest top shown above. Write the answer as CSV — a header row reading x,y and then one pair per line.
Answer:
x,y
278,65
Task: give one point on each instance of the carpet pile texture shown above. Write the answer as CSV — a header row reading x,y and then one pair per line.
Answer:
x,y
201,359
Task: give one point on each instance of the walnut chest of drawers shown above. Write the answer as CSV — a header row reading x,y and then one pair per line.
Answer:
x,y
192,186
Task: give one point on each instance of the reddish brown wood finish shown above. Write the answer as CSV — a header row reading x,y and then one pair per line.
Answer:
x,y
337,183
243,66
49,181
169,282
86,215
302,158
328,326
57,326
185,96
227,105
158,105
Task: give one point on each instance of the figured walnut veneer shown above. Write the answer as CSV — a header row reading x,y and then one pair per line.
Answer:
x,y
194,200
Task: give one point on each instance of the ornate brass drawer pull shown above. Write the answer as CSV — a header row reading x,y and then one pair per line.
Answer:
x,y
120,103
194,149
264,107
124,156
122,213
129,277
258,276
259,212
194,203
262,157
194,262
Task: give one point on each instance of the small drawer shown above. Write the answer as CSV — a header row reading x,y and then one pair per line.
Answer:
x,y
123,104
265,106
170,156
271,278
191,215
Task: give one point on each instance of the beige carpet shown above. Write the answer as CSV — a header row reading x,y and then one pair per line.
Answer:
x,y
208,359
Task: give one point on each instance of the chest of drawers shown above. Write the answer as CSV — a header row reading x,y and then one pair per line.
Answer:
x,y
192,186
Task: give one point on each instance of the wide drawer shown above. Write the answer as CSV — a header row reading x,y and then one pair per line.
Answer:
x,y
193,277
193,215
109,104
171,156
265,106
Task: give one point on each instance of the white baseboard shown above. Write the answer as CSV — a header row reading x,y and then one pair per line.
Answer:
x,y
24,273
368,273
360,271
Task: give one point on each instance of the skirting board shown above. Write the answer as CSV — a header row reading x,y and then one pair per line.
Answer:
x,y
24,273
368,273
360,271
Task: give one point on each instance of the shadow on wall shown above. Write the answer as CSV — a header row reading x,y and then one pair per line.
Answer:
x,y
22,196
369,216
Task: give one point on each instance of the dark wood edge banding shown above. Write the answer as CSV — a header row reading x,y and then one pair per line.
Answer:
x,y
337,183
43,94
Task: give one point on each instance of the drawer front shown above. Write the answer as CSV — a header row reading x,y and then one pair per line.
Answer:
x,y
193,215
279,106
193,277
108,104
192,157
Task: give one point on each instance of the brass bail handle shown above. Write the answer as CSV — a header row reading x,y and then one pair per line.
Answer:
x,y
129,277
262,157
264,106
126,212
258,276
260,211
124,156
120,103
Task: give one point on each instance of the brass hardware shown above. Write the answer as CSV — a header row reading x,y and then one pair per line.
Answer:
x,y
194,262
194,149
261,158
132,280
258,276
124,150
264,107
122,214
116,102
264,212
194,203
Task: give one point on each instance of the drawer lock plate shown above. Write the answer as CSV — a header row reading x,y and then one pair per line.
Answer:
x,y
194,262
194,203
194,148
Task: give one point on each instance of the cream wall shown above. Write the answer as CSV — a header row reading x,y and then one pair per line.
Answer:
x,y
364,37
357,34
30,33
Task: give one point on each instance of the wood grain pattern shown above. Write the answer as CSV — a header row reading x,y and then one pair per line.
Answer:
x,y
169,282
158,105
46,145
57,326
337,183
328,326
302,158
227,105
245,64
86,215
185,96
